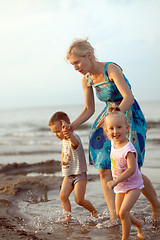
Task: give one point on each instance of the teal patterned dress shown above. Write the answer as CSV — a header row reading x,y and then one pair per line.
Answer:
x,y
99,144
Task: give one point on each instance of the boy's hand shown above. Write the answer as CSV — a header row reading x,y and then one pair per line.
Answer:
x,y
66,129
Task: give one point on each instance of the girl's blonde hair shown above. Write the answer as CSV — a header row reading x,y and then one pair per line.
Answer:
x,y
115,110
80,47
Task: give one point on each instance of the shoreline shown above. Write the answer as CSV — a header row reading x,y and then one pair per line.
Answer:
x,y
16,186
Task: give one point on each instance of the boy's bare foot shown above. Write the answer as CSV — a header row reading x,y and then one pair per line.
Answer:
x,y
141,234
94,214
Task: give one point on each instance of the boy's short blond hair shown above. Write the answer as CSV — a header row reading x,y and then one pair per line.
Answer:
x,y
58,116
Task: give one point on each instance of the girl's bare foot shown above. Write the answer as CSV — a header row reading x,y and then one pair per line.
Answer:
x,y
140,234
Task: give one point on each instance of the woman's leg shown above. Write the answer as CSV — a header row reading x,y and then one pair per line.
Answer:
x,y
150,193
79,191
105,176
66,190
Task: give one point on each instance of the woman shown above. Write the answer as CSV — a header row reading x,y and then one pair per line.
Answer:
x,y
111,85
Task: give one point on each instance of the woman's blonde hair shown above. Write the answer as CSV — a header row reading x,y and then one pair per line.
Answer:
x,y
80,47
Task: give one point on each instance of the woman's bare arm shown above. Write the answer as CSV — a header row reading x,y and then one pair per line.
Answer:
x,y
115,74
89,107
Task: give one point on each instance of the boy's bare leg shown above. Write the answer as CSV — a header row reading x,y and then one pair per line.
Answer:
x,y
105,176
79,191
66,190
150,193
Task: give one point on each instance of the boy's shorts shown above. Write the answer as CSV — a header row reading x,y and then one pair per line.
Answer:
x,y
73,179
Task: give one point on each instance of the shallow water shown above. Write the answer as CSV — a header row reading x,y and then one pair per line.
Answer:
x,y
43,215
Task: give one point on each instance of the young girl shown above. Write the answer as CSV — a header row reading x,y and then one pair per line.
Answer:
x,y
127,179
73,166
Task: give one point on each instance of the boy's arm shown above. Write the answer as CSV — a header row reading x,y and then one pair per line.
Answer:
x,y
69,135
74,141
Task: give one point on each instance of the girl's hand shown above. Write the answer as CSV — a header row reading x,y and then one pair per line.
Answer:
x,y
111,184
100,122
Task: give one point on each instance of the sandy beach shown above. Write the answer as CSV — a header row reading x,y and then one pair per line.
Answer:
x,y
15,187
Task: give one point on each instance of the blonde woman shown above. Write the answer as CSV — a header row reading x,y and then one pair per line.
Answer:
x,y
110,85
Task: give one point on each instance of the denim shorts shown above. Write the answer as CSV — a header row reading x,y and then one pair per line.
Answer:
x,y
73,179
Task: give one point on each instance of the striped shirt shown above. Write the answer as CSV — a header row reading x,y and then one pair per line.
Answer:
x,y
74,161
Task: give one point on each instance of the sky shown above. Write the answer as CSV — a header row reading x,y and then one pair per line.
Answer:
x,y
35,35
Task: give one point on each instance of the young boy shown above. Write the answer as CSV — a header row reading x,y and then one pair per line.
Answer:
x,y
73,165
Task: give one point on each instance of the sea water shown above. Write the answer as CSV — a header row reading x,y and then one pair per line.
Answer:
x,y
26,137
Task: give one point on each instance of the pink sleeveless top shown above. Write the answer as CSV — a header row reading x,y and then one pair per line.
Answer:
x,y
119,165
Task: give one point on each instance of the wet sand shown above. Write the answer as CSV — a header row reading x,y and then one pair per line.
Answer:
x,y
17,186
25,183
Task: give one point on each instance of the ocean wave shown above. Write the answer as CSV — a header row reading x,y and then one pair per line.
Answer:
x,y
22,134
154,140
47,129
29,143
86,126
12,153
43,129
153,124
5,143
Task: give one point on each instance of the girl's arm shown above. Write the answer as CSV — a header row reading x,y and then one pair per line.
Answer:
x,y
131,163
115,74
89,107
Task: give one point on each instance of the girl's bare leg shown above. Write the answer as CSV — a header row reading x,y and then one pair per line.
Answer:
x,y
150,193
66,190
139,225
124,203
105,176
79,191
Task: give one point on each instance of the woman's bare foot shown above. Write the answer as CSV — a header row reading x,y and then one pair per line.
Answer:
x,y
66,220
114,221
156,214
140,234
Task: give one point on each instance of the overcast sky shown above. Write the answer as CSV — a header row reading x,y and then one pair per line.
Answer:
x,y
35,35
